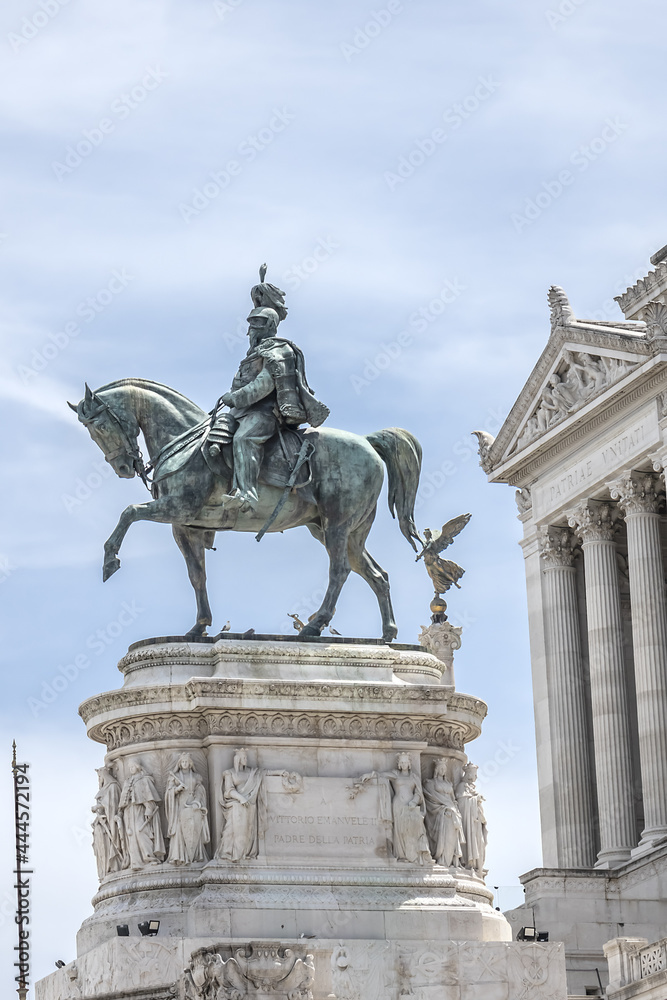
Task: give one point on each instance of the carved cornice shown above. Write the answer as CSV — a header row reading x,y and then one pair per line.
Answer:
x,y
557,547
643,291
637,493
592,521
243,724
242,690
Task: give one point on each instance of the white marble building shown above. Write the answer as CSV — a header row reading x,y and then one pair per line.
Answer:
x,y
585,445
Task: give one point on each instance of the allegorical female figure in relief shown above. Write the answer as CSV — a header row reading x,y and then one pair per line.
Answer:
x,y
187,815
108,833
444,825
469,802
407,811
241,788
139,807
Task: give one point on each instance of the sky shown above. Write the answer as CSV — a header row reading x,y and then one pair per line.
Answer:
x,y
415,174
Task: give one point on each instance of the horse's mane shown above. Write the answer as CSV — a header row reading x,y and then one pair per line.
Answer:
x,y
145,383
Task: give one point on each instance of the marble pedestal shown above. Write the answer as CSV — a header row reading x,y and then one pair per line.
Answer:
x,y
323,902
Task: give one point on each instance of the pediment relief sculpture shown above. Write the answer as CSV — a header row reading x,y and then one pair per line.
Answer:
x,y
580,377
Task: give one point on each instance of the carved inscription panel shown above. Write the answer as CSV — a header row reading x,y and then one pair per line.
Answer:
x,y
602,460
323,820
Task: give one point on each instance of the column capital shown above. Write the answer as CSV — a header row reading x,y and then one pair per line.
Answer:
x,y
637,492
592,520
557,546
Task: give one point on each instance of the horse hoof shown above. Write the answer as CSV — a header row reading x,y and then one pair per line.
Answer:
x,y
196,632
310,631
389,635
109,568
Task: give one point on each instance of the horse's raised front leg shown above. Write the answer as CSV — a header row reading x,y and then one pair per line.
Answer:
x,y
335,541
167,510
193,543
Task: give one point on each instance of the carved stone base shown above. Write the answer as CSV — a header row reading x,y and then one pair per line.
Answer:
x,y
258,796
347,969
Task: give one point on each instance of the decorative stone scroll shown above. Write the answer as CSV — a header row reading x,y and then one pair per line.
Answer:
x,y
264,971
441,639
557,546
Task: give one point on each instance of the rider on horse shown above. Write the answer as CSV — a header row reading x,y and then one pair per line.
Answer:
x,y
269,390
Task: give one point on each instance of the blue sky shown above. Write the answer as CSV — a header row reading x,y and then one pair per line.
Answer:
x,y
415,168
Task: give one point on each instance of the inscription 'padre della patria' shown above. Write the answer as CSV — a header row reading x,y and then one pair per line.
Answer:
x,y
323,830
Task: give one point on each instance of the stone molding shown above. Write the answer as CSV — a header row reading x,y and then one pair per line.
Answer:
x,y
557,546
639,295
266,652
592,521
246,723
637,493
308,889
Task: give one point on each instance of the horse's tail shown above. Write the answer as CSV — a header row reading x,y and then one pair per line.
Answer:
x,y
402,454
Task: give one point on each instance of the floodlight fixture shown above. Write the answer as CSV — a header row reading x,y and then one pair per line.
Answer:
x,y
122,930
149,928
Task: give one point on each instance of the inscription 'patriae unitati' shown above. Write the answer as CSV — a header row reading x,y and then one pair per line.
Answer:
x,y
571,480
623,445
611,454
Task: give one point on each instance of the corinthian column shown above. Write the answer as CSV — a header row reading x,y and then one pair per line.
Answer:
x,y
638,495
613,769
569,742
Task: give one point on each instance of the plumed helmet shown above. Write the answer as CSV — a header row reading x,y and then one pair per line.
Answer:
x,y
264,313
267,295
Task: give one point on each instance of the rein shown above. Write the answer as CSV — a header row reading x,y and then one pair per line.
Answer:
x,y
131,446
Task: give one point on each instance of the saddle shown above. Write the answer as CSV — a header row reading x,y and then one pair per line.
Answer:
x,y
213,439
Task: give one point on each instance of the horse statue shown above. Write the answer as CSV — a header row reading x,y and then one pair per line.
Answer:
x,y
338,509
